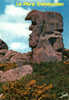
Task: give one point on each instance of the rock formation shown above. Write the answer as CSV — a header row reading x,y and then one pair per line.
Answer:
x,y
10,56
46,38
15,74
3,45
15,57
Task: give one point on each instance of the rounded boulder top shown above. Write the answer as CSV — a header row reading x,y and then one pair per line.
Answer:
x,y
3,45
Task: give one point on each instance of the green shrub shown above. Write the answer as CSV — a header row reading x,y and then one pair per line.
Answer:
x,y
43,75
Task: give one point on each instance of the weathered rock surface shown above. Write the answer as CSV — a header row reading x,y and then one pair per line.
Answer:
x,y
20,59
3,45
7,56
46,41
46,38
3,52
14,57
15,74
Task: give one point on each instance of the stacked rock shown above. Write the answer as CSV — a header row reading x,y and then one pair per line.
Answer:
x,y
46,38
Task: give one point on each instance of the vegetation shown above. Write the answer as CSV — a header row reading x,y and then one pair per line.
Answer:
x,y
49,81
7,66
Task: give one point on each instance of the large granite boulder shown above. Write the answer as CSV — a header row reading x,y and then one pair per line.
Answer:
x,y
46,38
21,59
11,56
16,73
7,55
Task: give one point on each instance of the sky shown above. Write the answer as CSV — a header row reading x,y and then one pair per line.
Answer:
x,y
14,30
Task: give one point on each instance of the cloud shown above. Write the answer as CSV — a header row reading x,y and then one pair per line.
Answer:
x,y
13,21
18,29
17,45
13,25
16,11
56,1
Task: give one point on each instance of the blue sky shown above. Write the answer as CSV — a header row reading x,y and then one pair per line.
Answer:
x,y
14,29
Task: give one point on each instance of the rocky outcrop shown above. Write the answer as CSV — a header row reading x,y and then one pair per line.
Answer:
x,y
10,56
15,74
46,38
2,52
3,45
46,41
15,57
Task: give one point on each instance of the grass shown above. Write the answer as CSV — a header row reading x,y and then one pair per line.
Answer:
x,y
49,81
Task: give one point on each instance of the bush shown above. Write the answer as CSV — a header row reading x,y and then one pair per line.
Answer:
x,y
49,81
7,66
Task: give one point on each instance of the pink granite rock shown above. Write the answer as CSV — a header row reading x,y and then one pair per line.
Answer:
x,y
46,39
16,73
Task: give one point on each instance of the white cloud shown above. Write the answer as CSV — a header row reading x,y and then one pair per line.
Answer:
x,y
23,47
13,21
13,24
56,1
17,45
18,29
16,11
